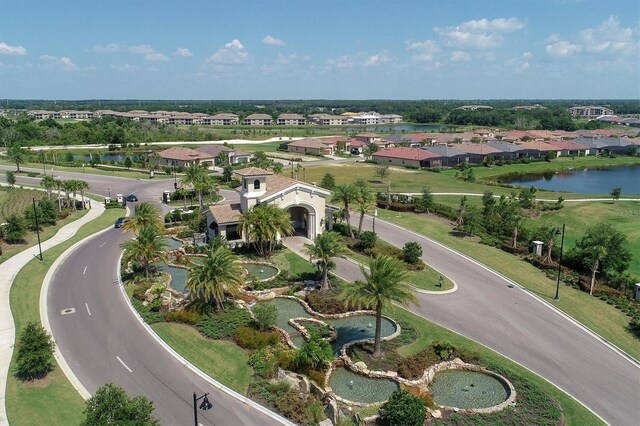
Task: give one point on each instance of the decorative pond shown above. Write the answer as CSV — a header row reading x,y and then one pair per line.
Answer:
x,y
173,244
178,277
468,389
260,272
359,388
348,329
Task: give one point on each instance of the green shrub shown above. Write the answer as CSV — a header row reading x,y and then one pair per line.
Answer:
x,y
367,240
404,409
249,338
34,352
186,317
146,313
326,303
412,252
267,391
314,353
141,289
265,315
385,250
412,367
224,323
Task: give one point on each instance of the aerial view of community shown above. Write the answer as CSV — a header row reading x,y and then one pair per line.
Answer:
x,y
338,213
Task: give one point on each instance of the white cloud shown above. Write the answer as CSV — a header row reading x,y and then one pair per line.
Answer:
x,y
272,41
608,37
427,46
6,49
233,53
377,59
520,64
183,52
156,57
479,34
64,62
111,47
561,48
460,56
142,49
124,67
290,59
423,57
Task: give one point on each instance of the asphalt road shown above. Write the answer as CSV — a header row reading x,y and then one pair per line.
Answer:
x,y
486,308
509,320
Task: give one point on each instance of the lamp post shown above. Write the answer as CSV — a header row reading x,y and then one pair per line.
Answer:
x,y
375,214
559,262
42,156
35,215
204,406
109,189
175,176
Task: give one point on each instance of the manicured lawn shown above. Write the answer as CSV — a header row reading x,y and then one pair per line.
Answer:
x,y
625,215
54,401
89,170
288,262
15,201
590,311
574,413
222,360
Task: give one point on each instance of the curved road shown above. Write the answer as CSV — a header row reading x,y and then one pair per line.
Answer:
x,y
486,308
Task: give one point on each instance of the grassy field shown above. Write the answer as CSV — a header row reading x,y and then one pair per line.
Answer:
x,y
408,180
87,170
590,311
625,215
53,401
574,412
16,201
225,361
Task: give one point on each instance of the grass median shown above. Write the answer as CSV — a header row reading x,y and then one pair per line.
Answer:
x,y
53,400
604,319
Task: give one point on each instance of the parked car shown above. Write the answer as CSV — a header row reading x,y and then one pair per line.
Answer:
x,y
132,198
119,222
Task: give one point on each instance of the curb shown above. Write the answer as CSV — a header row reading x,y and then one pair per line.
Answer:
x,y
192,367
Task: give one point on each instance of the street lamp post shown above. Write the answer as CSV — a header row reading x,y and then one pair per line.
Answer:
x,y
559,262
35,215
109,192
375,214
175,176
204,406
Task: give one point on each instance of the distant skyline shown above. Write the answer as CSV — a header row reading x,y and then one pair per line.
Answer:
x,y
501,49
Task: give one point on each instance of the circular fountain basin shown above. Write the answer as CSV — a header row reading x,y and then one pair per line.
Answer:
x,y
178,277
358,327
468,389
260,272
357,388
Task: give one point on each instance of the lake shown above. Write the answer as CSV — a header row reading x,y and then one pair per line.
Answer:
x,y
588,181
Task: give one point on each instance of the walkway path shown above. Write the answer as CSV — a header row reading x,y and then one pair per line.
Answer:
x,y
10,269
475,194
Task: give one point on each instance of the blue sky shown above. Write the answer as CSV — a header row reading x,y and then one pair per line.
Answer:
x,y
299,49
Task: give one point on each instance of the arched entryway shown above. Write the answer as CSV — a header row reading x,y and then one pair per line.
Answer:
x,y
299,216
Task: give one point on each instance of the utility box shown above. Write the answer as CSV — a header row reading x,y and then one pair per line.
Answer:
x,y
166,197
152,174
536,247
107,201
120,199
638,292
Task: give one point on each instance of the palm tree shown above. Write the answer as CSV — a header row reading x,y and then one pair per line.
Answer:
x,y
263,225
67,187
345,194
59,187
197,177
364,201
220,273
146,216
327,245
147,247
82,185
48,183
384,285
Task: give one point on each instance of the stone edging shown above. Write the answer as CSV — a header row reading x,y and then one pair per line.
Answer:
x,y
193,368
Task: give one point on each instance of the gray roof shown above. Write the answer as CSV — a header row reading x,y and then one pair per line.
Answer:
x,y
602,142
445,151
505,146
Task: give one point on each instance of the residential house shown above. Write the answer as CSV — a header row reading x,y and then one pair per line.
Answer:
x,y
476,152
569,148
181,157
403,156
230,155
449,156
291,120
258,120
368,137
313,146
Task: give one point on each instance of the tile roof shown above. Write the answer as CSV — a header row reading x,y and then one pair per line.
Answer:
x,y
258,117
311,143
540,146
225,213
568,145
290,117
405,153
276,183
214,150
253,171
444,151
475,148
183,154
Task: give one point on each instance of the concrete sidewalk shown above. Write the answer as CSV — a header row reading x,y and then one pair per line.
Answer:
x,y
10,269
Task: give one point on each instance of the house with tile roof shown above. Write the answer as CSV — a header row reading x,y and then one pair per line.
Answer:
x,y
230,155
181,157
312,146
304,202
404,156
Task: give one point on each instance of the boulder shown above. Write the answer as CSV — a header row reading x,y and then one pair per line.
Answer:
x,y
360,366
325,422
305,385
332,411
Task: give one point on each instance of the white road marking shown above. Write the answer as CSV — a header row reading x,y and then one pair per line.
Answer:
x,y
85,271
124,365
87,306
102,245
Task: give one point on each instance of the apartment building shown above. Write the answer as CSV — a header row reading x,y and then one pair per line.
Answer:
x,y
589,111
291,120
258,120
329,120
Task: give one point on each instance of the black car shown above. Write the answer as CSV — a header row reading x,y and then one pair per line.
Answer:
x,y
132,198
119,222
